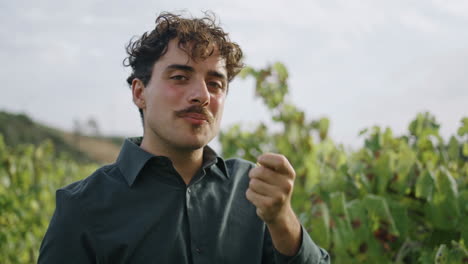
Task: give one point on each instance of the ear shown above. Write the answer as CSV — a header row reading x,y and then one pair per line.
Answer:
x,y
138,92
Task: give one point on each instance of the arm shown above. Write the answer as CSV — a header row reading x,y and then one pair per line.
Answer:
x,y
308,252
66,240
270,190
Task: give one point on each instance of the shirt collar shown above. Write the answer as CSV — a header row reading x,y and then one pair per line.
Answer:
x,y
210,158
132,159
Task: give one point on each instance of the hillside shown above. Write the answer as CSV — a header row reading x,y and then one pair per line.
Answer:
x,y
21,129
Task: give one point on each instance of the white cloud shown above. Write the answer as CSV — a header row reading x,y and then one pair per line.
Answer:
x,y
420,22
348,59
457,8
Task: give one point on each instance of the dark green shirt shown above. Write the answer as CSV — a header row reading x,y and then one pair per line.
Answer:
x,y
139,210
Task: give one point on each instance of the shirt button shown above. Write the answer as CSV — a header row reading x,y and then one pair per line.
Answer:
x,y
198,250
189,190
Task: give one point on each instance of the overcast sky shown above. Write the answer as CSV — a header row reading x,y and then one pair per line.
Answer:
x,y
359,63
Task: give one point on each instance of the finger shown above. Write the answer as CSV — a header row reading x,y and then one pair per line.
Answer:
x,y
263,188
276,162
263,173
283,183
257,199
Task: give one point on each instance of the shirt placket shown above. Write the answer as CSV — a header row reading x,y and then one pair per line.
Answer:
x,y
196,225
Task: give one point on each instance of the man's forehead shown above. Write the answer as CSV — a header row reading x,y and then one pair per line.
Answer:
x,y
179,55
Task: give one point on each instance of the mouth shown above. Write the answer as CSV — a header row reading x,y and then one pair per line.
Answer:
x,y
195,118
196,115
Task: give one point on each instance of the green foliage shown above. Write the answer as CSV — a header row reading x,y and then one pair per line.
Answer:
x,y
29,176
398,199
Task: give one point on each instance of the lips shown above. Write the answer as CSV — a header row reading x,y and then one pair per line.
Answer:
x,y
196,116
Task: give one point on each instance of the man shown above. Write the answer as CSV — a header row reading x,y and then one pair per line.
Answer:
x,y
169,198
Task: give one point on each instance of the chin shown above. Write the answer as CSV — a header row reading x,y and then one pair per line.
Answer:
x,y
201,143
193,144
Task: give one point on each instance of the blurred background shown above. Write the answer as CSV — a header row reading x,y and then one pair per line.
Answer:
x,y
359,63
367,99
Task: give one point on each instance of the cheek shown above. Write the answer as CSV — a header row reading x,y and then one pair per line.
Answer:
x,y
173,91
217,105
168,95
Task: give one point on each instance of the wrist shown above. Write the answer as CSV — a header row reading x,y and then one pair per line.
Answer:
x,y
285,222
286,233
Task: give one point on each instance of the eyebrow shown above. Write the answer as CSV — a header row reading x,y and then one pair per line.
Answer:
x,y
217,74
180,67
187,68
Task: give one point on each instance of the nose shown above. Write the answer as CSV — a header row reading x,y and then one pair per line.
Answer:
x,y
200,94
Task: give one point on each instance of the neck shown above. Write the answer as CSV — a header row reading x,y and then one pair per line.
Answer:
x,y
185,161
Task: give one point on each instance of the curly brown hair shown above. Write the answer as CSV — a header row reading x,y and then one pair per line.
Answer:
x,y
202,35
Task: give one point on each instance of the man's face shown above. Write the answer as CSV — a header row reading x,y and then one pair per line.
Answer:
x,y
184,100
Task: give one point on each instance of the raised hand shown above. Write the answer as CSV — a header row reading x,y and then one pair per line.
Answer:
x,y
270,190
271,186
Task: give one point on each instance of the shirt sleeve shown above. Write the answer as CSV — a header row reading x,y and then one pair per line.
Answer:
x,y
308,253
67,239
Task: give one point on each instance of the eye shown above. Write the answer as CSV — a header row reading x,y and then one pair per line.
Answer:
x,y
179,78
216,85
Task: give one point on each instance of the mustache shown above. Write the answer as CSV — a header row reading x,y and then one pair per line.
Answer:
x,y
196,109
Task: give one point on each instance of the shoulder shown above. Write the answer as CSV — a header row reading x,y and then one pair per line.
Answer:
x,y
91,186
238,166
239,162
72,227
